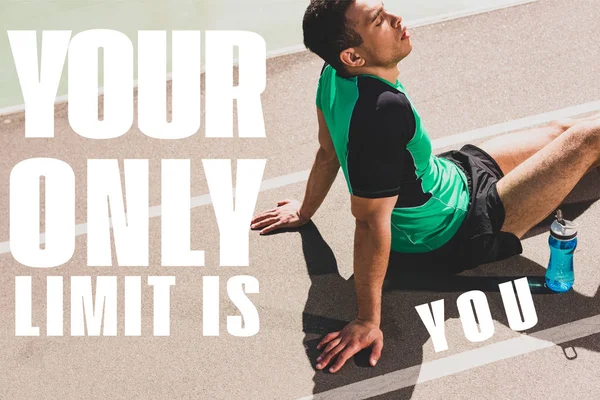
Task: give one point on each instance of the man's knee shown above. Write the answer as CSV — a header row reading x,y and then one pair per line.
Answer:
x,y
590,131
563,124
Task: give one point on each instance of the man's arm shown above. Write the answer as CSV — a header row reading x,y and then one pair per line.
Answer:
x,y
372,241
323,172
291,214
376,155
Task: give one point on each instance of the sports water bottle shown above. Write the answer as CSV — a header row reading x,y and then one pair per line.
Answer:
x,y
563,241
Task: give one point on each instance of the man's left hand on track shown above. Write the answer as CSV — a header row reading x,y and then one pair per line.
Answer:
x,y
355,336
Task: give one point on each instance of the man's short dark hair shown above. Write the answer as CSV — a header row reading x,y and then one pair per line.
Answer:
x,y
327,32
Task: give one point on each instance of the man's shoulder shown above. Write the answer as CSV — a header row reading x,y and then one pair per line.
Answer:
x,y
377,98
381,94
365,94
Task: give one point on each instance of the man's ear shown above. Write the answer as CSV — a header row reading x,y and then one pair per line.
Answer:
x,y
351,58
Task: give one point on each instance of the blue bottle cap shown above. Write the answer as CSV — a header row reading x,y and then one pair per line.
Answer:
x,y
562,229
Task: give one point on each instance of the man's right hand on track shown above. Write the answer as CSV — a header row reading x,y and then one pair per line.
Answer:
x,y
285,215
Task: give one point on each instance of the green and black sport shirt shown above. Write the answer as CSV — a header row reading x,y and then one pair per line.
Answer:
x,y
385,151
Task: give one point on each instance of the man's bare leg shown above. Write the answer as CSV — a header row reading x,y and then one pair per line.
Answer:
x,y
512,149
533,189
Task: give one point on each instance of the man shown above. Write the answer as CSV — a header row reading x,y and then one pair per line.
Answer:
x,y
452,211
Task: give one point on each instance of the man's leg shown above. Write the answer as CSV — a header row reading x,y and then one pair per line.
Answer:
x,y
512,149
533,189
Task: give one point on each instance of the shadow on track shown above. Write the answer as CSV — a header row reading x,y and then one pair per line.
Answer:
x,y
331,304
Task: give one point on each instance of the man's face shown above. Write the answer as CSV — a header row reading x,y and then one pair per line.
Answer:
x,y
381,31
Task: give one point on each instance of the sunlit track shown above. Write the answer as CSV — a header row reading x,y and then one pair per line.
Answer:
x,y
445,142
463,361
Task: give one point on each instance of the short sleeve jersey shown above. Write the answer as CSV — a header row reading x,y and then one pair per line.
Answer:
x,y
385,151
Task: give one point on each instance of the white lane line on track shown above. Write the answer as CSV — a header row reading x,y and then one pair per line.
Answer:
x,y
463,361
515,125
300,47
453,140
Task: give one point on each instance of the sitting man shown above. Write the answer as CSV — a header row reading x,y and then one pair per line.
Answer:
x,y
453,211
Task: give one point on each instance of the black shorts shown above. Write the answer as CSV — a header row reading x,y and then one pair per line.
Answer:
x,y
479,239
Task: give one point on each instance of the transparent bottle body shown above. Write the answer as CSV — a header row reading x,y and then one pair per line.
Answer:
x,y
560,275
